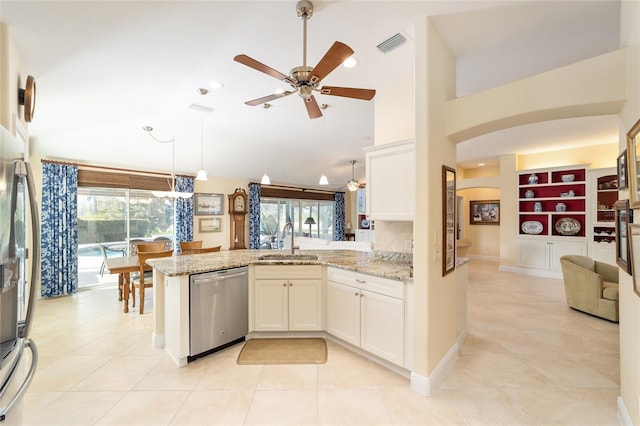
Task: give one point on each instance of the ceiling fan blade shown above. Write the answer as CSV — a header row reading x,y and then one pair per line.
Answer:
x,y
348,92
264,99
259,66
330,61
312,107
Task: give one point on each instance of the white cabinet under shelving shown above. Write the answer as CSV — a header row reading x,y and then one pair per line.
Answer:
x,y
544,254
368,312
288,298
390,181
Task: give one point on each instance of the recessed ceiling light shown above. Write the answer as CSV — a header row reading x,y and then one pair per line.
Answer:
x,y
216,85
480,164
350,62
278,91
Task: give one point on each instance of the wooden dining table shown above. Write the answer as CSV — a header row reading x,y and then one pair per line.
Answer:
x,y
123,266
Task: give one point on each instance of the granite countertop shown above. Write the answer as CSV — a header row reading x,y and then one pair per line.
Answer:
x,y
368,263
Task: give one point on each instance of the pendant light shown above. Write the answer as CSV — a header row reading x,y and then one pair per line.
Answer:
x,y
173,193
202,174
265,179
323,179
353,184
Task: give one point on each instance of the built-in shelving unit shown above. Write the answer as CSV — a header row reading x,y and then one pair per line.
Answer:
x,y
604,229
552,202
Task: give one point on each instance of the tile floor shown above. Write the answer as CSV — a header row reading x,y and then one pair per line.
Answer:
x,y
528,360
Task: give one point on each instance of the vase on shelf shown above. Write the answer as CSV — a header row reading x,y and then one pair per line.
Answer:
x,y
537,207
529,194
533,179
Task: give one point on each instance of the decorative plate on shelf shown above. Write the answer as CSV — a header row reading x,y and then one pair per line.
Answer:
x,y
532,227
567,226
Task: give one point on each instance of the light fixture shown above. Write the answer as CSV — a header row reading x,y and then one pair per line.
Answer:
x,y
265,179
323,180
350,62
353,184
216,85
202,174
310,221
173,193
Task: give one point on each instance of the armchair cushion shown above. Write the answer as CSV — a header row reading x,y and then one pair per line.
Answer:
x,y
591,286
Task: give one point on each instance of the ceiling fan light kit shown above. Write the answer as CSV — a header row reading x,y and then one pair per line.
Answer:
x,y
202,174
353,184
304,79
323,180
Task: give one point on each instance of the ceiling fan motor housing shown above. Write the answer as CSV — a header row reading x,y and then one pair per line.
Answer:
x,y
304,8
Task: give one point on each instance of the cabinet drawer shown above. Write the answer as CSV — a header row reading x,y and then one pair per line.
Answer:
x,y
367,282
265,272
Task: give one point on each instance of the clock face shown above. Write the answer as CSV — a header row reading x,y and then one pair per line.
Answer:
x,y
238,204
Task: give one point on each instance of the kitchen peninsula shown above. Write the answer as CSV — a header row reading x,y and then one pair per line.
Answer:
x,y
383,278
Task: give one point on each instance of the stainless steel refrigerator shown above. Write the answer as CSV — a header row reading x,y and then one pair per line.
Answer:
x,y
19,268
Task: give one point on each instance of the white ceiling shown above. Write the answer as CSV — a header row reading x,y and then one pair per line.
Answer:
x,y
104,69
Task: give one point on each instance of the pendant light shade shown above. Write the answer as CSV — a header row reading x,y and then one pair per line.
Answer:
x,y
323,180
202,174
265,179
353,184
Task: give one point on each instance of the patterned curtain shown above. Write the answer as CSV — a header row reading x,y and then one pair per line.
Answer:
x,y
183,213
59,230
339,216
254,215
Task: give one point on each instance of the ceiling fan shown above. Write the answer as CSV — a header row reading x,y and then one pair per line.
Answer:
x,y
304,79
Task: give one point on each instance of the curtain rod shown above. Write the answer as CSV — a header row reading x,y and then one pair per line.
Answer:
x,y
109,168
297,188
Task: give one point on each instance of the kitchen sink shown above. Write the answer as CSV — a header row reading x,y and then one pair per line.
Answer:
x,y
288,256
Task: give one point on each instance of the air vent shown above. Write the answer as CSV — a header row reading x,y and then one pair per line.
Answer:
x,y
201,108
391,43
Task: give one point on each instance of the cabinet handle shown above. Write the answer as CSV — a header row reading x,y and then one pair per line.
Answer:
x,y
284,284
290,285
356,294
361,295
360,281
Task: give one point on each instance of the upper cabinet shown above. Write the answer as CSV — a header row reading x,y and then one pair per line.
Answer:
x,y
390,181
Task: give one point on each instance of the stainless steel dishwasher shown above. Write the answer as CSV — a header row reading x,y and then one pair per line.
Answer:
x,y
218,310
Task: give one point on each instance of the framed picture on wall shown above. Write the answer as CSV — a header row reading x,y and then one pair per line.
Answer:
x,y
208,204
448,219
633,156
209,224
623,182
624,216
634,241
484,212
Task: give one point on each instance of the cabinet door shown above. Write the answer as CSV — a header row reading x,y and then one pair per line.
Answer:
x,y
305,305
271,306
558,249
382,326
343,312
533,254
603,252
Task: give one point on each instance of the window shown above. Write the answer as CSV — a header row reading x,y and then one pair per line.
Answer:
x,y
276,212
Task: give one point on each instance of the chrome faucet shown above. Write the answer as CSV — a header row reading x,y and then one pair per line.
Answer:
x,y
284,235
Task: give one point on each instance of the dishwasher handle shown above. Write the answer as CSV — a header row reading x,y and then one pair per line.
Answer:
x,y
217,277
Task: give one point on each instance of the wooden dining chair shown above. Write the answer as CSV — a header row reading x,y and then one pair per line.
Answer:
x,y
187,245
202,250
145,280
167,242
147,247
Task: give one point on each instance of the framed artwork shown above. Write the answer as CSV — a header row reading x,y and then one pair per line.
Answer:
x,y
209,224
624,216
633,156
484,212
623,182
208,204
634,240
448,219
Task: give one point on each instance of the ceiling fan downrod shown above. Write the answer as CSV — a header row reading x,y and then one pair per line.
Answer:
x,y
304,8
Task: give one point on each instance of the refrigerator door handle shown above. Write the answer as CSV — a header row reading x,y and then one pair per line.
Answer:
x,y
24,169
27,381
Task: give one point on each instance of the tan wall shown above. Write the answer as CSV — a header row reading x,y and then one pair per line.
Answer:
x,y
485,239
629,301
596,156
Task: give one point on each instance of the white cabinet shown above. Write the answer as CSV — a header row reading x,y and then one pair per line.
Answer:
x,y
390,181
364,235
544,254
368,312
287,298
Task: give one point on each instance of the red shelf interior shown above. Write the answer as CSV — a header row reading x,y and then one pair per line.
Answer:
x,y
580,174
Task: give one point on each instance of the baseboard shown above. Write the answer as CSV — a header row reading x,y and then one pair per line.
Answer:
x,y
157,340
462,336
425,385
623,415
528,271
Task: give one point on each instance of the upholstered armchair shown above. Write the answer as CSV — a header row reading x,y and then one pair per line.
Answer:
x,y
591,286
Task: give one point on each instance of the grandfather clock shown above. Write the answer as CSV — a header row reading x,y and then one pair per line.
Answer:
x,y
238,202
